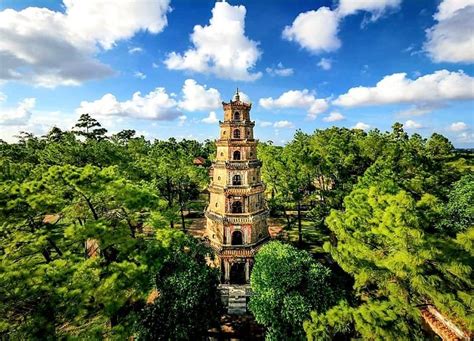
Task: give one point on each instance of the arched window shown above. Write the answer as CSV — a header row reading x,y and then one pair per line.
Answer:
x,y
236,116
236,134
236,180
237,238
237,207
236,155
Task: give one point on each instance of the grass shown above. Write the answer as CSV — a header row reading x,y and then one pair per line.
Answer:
x,y
313,237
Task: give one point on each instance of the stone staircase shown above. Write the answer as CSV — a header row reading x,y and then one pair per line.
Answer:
x,y
237,301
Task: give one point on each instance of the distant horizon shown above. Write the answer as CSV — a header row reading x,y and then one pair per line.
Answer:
x,y
163,70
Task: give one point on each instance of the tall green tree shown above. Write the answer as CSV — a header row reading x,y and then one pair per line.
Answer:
x,y
187,302
385,241
287,284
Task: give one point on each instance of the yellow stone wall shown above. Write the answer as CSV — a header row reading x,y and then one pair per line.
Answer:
x,y
217,203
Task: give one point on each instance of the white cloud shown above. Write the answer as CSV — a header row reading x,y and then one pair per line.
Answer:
x,y
48,48
265,124
156,105
139,75
419,109
361,125
135,50
451,39
315,31
465,137
197,97
458,126
325,63
410,124
211,119
181,120
280,70
334,117
19,115
155,65
283,124
439,86
3,97
303,99
220,48
244,97
375,7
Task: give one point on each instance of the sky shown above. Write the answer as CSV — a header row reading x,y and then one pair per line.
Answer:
x,y
164,67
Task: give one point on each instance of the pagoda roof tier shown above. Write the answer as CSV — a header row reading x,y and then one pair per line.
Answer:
x,y
237,164
236,105
237,123
238,218
238,251
236,142
237,190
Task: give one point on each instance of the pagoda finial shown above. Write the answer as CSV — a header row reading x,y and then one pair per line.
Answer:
x,y
236,96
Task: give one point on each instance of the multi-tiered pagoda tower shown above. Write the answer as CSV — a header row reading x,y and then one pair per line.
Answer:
x,y
237,212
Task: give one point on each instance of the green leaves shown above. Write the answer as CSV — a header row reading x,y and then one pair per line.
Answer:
x,y
303,285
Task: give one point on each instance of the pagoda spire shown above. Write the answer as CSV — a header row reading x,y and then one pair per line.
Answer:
x,y
236,96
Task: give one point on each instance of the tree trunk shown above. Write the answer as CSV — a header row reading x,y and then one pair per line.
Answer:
x,y
183,224
288,222
300,232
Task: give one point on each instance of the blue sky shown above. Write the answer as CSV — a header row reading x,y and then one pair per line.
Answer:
x,y
303,65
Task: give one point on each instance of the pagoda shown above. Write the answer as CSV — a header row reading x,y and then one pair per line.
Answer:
x,y
237,212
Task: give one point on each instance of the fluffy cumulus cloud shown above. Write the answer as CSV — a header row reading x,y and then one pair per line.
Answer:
x,y
197,97
451,39
211,119
439,86
334,117
49,48
325,63
220,48
361,125
156,105
375,7
316,31
458,126
283,124
19,115
303,99
280,70
410,124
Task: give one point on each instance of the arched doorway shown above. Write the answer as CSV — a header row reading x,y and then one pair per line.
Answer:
x,y
236,116
236,134
236,155
237,273
237,238
236,180
237,207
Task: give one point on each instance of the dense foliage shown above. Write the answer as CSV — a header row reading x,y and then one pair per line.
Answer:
x,y
92,243
187,304
287,284
400,216
84,231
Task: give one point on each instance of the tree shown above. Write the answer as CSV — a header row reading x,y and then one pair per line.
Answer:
x,y
385,240
49,287
89,127
287,284
458,212
187,302
170,169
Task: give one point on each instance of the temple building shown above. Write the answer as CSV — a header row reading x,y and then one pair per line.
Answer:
x,y
237,212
